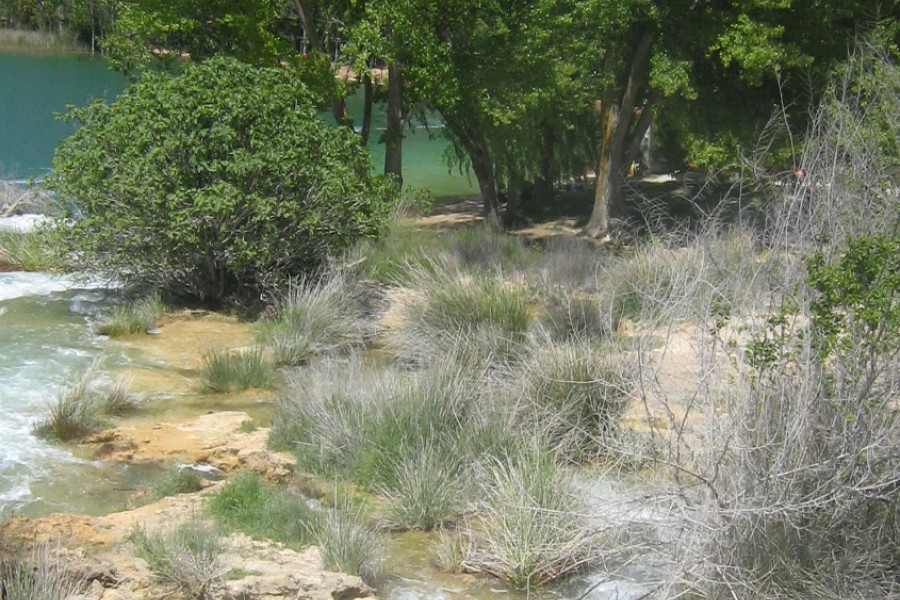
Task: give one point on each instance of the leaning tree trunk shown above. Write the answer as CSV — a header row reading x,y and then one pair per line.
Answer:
x,y
483,166
607,197
367,108
617,118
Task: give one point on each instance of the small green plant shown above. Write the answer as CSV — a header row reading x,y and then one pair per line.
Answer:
x,y
247,504
178,481
316,317
28,251
248,427
135,317
45,575
186,559
116,399
237,371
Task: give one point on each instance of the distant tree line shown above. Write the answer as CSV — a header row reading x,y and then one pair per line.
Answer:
x,y
87,20
535,91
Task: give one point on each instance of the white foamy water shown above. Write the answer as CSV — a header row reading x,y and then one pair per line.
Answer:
x,y
19,284
45,345
23,223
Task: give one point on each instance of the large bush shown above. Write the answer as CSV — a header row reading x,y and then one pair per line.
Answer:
x,y
215,183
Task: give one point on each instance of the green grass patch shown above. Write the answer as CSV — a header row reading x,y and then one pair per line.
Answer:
x,y
135,317
247,504
28,251
237,371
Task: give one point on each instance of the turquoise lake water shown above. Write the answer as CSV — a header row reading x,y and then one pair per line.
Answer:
x,y
36,87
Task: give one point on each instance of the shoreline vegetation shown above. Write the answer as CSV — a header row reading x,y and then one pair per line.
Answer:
x,y
40,42
710,398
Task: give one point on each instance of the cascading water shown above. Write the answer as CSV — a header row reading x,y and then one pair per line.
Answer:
x,y
45,343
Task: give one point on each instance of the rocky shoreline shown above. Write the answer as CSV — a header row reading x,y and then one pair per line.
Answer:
x,y
99,551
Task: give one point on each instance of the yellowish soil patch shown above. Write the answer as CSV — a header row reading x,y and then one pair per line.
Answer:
x,y
182,339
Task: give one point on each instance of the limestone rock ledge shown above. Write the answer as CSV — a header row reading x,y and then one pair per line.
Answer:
x,y
214,439
97,550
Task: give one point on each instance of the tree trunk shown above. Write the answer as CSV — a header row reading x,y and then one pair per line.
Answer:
x,y
607,194
338,105
483,167
513,196
367,109
617,117
543,186
393,136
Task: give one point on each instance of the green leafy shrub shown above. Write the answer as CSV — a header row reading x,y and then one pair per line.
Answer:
x,y
214,183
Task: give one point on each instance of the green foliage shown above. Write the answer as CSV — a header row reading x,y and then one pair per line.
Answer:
x,y
134,317
858,296
237,371
214,184
247,504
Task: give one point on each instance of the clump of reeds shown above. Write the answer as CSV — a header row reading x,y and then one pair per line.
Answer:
x,y
315,317
529,527
27,251
450,307
405,435
139,316
186,560
237,371
79,408
574,392
45,575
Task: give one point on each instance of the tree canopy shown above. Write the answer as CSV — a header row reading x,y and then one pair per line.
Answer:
x,y
532,91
